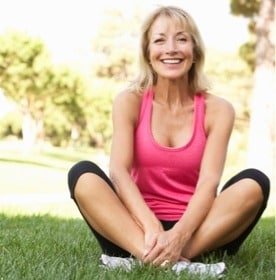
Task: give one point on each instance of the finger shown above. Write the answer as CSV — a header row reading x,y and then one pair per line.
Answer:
x,y
153,256
184,259
149,245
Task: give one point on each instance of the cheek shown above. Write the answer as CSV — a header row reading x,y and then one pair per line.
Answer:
x,y
154,53
189,50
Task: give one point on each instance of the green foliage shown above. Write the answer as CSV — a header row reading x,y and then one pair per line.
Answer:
x,y
57,128
24,67
28,77
10,124
70,93
115,45
98,112
249,9
247,53
245,8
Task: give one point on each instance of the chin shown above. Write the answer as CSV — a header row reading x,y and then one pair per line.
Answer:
x,y
172,77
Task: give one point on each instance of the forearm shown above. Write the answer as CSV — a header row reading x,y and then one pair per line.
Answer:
x,y
131,197
198,208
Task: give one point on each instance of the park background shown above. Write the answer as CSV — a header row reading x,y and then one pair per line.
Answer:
x,y
61,64
82,55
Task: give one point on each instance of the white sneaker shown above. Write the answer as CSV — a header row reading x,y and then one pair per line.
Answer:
x,y
116,262
215,269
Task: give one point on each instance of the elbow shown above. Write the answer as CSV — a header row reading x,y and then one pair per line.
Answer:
x,y
118,171
116,176
209,184
113,175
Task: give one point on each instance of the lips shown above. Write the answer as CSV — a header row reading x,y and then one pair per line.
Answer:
x,y
172,61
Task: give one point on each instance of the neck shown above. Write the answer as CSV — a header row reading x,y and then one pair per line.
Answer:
x,y
172,93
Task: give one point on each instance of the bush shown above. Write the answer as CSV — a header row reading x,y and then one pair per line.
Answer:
x,y
11,124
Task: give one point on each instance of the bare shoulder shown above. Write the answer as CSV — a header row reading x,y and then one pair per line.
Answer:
x,y
127,104
217,104
128,97
219,111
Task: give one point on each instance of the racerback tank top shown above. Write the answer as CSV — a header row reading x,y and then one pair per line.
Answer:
x,y
165,176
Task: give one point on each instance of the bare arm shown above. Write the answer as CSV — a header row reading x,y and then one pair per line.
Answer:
x,y
126,108
219,125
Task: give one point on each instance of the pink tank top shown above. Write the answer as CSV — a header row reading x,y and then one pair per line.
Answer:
x,y
167,177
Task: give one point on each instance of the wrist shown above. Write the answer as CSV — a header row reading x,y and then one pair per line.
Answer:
x,y
182,232
152,225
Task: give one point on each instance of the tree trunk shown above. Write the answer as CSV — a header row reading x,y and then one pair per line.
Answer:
x,y
28,133
32,127
261,150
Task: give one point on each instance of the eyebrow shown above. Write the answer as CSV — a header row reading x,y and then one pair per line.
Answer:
x,y
178,33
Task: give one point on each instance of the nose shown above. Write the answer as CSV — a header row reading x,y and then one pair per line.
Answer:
x,y
171,47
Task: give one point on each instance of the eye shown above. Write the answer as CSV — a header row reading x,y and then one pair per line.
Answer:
x,y
182,39
158,40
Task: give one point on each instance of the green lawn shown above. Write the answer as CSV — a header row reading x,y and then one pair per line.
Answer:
x,y
44,247
43,237
37,183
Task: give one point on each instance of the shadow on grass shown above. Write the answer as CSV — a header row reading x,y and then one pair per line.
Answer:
x,y
53,158
32,162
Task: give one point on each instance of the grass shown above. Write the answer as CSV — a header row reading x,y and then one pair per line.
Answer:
x,y
46,247
41,239
38,175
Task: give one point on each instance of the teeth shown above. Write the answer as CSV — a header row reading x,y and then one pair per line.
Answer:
x,y
171,61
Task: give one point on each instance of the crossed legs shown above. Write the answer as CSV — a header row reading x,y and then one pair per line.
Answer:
x,y
106,214
233,215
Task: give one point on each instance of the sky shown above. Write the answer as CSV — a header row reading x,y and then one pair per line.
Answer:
x,y
67,27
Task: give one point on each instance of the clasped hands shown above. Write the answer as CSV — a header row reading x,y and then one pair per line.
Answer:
x,y
163,248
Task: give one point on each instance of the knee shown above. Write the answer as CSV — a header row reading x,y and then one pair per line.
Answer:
x,y
262,182
84,186
249,195
77,171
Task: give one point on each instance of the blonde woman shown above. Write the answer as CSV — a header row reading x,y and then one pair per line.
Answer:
x,y
160,204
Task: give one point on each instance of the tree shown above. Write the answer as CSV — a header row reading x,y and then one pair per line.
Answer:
x,y
28,77
261,150
25,76
115,45
250,10
69,97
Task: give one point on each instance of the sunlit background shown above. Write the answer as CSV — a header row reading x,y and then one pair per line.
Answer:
x,y
68,29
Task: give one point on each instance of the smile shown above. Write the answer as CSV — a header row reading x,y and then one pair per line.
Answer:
x,y
172,61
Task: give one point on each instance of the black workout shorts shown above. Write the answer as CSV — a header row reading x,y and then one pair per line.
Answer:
x,y
111,249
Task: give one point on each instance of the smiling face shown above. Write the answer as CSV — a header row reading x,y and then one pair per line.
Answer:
x,y
170,48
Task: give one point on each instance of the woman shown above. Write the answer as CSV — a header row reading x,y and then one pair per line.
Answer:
x,y
169,146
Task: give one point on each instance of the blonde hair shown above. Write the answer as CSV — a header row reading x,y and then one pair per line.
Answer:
x,y
147,77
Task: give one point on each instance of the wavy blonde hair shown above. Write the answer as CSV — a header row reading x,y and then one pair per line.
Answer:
x,y
147,77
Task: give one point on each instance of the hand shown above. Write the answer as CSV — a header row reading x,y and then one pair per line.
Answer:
x,y
166,248
151,237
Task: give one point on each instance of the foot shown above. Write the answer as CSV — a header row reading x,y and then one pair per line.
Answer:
x,y
215,269
111,262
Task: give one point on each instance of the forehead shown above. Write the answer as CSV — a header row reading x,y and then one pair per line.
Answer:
x,y
163,24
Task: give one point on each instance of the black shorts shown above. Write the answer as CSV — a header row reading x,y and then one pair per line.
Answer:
x,y
111,249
